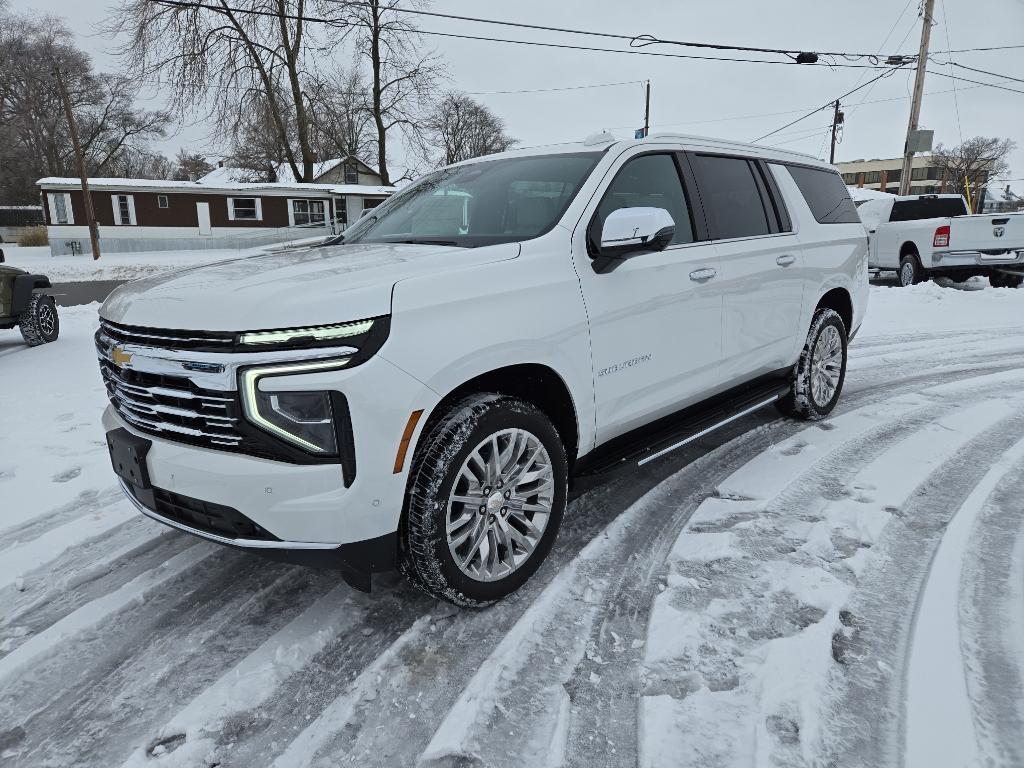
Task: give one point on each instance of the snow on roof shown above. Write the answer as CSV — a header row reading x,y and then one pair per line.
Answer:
x,y
228,175
159,185
860,194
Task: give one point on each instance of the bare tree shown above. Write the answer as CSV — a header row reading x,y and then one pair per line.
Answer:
x,y
402,78
256,148
463,128
974,162
242,56
35,133
339,106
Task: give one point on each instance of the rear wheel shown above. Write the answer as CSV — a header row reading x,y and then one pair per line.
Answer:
x,y
39,322
486,497
1005,280
818,376
910,271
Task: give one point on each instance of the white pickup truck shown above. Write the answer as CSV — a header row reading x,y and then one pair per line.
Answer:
x,y
926,236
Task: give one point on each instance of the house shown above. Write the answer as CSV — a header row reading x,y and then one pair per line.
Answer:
x,y
14,219
153,215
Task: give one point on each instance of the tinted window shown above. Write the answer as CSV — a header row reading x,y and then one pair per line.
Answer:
x,y
649,181
826,195
492,201
732,203
927,208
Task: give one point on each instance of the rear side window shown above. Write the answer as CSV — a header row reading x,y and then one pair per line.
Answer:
x,y
732,201
927,208
826,195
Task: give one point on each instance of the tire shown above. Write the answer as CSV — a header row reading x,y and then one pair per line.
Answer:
x,y
39,322
910,271
809,399
463,442
1003,280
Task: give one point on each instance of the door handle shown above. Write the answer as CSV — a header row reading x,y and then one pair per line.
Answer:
x,y
700,275
785,261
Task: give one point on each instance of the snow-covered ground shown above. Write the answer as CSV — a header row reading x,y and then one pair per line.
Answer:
x,y
118,266
848,593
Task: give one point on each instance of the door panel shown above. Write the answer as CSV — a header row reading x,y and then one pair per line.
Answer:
x,y
656,320
762,282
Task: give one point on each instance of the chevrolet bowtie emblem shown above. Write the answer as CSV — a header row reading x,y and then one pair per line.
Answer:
x,y
121,358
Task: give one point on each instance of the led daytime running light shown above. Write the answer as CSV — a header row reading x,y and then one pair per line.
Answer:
x,y
250,379
317,333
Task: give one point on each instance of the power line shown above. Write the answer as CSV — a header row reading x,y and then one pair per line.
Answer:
x,y
549,90
535,43
956,99
634,40
986,72
977,82
830,102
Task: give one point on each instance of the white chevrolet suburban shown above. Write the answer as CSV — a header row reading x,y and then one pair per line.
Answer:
x,y
424,391
926,236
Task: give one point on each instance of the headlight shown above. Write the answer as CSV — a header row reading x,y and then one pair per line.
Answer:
x,y
304,419
315,335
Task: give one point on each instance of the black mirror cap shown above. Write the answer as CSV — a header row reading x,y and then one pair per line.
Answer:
x,y
2,256
608,259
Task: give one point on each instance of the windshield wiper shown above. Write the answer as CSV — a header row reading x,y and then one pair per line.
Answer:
x,y
424,241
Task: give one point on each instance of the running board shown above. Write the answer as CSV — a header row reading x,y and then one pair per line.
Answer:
x,y
635,449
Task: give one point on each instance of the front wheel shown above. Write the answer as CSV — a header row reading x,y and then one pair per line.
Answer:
x,y
486,496
39,323
817,378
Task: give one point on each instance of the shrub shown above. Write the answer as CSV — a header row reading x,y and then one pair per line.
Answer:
x,y
32,236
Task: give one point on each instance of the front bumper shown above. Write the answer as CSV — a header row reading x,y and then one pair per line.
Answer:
x,y
306,507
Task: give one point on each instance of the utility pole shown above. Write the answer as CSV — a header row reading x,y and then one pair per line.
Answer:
x,y
647,111
90,216
915,105
837,119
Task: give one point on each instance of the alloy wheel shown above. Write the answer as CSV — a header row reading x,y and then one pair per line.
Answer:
x,y
500,504
826,365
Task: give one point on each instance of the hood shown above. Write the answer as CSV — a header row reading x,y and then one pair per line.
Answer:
x,y
311,286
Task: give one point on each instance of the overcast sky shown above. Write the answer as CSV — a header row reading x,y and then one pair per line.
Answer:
x,y
723,99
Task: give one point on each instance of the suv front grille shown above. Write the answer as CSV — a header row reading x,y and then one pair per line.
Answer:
x,y
209,341
174,407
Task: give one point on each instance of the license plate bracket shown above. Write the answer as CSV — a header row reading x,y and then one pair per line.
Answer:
x,y
128,457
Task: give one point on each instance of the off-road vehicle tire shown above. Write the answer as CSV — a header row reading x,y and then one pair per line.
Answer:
x,y
458,459
910,271
39,322
1003,280
818,376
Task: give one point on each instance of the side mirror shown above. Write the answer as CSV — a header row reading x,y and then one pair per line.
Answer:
x,y
1,255
629,232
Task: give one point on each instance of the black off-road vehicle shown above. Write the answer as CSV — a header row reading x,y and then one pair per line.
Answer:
x,y
23,305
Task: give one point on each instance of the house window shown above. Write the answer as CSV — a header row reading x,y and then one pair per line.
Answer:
x,y
124,210
60,208
244,209
351,173
161,201
308,213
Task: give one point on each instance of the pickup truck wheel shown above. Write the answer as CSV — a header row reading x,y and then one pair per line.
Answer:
x,y
1001,280
39,322
910,271
487,492
821,370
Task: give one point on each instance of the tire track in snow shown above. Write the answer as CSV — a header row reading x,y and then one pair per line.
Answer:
x,y
991,602
940,725
714,695
867,724
177,642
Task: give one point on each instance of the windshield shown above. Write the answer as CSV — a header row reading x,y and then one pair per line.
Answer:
x,y
494,201
927,208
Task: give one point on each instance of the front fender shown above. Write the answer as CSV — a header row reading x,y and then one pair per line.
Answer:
x,y
22,291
